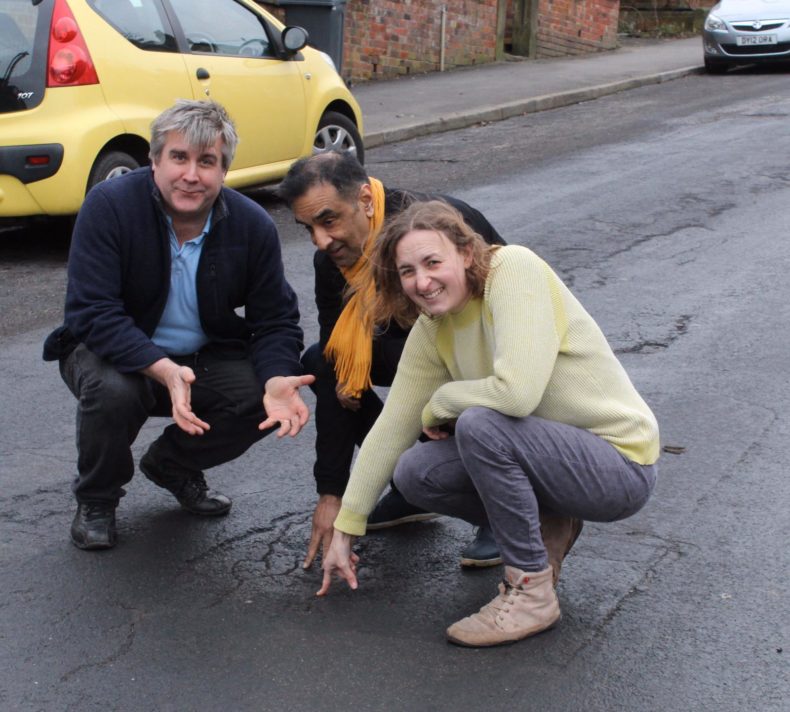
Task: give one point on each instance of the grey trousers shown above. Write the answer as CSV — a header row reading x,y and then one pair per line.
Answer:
x,y
498,470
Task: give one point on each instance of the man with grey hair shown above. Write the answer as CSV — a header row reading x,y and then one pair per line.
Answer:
x,y
161,260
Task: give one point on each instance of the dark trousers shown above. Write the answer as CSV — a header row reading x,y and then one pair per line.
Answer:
x,y
113,406
339,430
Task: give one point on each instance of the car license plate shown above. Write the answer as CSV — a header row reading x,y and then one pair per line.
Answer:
x,y
756,40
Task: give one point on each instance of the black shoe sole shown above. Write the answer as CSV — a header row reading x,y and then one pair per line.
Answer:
x,y
200,513
93,546
480,563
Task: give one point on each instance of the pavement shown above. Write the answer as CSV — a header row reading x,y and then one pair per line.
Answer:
x,y
407,107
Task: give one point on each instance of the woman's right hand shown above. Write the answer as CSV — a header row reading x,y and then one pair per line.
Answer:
x,y
340,560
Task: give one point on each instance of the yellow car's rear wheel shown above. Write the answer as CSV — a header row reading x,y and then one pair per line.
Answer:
x,y
110,164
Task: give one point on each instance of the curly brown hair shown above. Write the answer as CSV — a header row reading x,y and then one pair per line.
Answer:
x,y
435,215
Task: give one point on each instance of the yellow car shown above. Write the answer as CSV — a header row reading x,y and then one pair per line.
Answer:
x,y
81,81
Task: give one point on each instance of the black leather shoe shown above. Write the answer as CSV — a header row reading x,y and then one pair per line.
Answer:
x,y
189,488
393,510
94,526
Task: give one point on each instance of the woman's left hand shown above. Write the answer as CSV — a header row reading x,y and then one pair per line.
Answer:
x,y
340,560
436,433
440,432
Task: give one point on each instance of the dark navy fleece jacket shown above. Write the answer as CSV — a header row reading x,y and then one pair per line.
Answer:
x,y
119,276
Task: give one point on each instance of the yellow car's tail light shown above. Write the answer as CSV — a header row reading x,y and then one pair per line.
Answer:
x,y
70,61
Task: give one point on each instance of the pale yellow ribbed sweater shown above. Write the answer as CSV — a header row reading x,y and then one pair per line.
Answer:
x,y
527,347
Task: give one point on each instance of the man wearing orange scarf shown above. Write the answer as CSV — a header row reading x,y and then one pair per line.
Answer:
x,y
343,209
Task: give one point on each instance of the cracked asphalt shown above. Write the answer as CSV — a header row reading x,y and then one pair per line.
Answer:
x,y
664,208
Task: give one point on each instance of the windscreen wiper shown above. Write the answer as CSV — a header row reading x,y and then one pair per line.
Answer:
x,y
16,59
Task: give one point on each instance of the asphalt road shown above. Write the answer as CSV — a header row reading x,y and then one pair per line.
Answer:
x,y
665,209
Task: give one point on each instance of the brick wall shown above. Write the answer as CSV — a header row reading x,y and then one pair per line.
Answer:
x,y
389,38
274,9
576,26
650,5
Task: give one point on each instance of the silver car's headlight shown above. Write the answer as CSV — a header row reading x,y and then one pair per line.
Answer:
x,y
714,24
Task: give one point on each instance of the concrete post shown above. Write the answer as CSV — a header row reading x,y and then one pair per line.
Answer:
x,y
525,28
501,18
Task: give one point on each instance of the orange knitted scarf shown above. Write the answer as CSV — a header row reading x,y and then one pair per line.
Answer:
x,y
350,345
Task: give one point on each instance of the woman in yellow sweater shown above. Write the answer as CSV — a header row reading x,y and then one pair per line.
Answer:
x,y
523,400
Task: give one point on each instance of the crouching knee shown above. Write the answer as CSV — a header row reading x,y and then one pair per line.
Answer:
x,y
101,388
314,362
115,399
477,423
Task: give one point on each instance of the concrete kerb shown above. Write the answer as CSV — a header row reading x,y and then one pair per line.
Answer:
x,y
464,119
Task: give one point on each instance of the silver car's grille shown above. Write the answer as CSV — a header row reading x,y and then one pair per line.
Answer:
x,y
757,25
757,49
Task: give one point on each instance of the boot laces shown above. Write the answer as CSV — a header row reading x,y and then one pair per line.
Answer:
x,y
195,487
97,510
502,604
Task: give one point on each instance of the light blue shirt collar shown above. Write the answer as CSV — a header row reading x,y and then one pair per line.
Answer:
x,y
196,241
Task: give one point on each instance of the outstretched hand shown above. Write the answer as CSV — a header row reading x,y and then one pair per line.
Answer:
x,y
178,380
341,561
324,516
284,405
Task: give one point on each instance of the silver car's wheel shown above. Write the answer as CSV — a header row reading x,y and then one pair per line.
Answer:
x,y
714,67
337,133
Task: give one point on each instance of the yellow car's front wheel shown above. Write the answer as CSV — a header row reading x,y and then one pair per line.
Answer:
x,y
337,132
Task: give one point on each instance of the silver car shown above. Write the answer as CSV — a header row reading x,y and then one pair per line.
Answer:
x,y
746,32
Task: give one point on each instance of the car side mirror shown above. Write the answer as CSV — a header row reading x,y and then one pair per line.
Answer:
x,y
294,38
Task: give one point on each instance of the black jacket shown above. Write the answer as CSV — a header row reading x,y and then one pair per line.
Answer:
x,y
119,277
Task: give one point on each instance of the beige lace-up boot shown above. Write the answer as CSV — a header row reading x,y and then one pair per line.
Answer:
x,y
526,605
559,535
